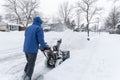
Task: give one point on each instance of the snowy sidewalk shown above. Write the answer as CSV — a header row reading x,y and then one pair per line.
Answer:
x,y
105,64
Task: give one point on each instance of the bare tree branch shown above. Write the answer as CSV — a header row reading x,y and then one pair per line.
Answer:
x,y
23,9
87,6
113,18
65,11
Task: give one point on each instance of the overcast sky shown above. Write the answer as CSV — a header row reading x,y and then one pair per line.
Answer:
x,y
50,7
1,7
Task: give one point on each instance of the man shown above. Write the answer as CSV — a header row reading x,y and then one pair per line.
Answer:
x,y
33,37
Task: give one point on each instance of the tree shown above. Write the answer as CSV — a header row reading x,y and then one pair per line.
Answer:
x,y
1,18
113,18
23,9
73,24
87,7
10,17
68,22
65,11
78,15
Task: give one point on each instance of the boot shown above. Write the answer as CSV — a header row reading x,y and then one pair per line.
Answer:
x,y
23,76
27,78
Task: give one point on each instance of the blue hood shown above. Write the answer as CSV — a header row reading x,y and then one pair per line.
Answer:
x,y
37,21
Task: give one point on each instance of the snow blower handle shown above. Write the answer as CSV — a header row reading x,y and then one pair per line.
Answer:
x,y
46,51
45,54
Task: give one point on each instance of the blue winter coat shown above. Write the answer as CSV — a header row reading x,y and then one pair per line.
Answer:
x,y
34,36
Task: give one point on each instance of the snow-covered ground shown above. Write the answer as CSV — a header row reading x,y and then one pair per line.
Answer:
x,y
97,59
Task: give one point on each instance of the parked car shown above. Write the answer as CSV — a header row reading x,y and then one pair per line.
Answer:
x,y
112,31
77,30
46,28
116,30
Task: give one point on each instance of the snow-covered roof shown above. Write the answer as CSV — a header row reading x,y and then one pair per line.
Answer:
x,y
14,24
2,23
9,23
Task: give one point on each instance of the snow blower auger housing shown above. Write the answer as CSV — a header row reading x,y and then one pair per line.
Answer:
x,y
55,56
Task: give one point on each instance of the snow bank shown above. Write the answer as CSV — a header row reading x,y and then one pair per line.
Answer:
x,y
97,59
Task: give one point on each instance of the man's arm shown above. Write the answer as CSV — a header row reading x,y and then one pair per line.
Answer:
x,y
40,36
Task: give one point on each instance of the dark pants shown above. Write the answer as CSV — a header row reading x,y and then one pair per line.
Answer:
x,y
29,68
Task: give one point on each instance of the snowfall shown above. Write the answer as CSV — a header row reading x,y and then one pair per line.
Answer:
x,y
97,59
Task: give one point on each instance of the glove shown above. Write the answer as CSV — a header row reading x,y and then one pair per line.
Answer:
x,y
43,49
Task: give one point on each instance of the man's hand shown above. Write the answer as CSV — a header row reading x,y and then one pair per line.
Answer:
x,y
41,48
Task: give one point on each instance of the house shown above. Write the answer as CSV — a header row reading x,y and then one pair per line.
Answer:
x,y
3,26
10,27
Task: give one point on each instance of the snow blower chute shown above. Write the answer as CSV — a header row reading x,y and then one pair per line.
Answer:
x,y
55,56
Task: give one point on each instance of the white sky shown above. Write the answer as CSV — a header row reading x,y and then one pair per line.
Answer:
x,y
1,7
50,7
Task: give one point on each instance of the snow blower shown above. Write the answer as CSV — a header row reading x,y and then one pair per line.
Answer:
x,y
55,56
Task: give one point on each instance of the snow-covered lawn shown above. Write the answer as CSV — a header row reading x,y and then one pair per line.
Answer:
x,y
97,59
